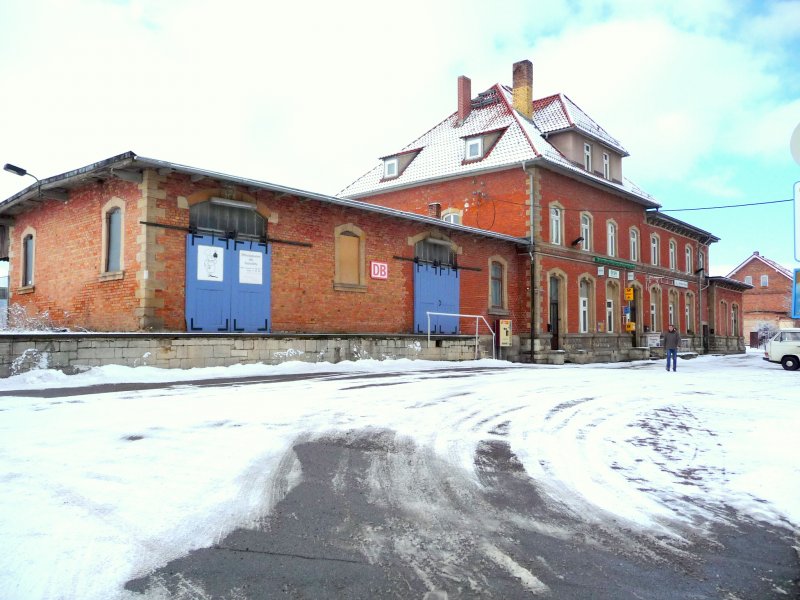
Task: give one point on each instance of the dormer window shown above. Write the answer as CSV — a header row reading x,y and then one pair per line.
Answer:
x,y
390,168
474,148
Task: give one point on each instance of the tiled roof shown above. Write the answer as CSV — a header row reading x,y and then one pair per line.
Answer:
x,y
559,113
442,154
770,263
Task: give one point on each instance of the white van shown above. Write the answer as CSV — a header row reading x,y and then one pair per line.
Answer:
x,y
784,348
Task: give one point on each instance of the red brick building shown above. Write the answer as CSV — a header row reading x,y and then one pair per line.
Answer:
x,y
768,303
607,271
138,244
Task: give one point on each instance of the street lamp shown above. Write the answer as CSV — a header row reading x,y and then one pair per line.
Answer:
x,y
21,172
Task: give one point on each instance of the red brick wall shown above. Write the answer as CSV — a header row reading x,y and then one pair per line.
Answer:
x,y
493,201
68,248
67,267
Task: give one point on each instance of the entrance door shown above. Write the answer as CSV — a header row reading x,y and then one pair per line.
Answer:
x,y
436,289
227,284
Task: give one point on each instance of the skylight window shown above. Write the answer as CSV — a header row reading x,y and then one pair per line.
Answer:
x,y
474,148
390,168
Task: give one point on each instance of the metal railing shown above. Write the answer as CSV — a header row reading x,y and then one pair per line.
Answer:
x,y
477,324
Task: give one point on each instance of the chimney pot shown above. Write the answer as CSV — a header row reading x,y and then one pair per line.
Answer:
x,y
464,98
523,88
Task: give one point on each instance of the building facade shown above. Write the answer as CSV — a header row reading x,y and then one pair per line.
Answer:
x,y
607,271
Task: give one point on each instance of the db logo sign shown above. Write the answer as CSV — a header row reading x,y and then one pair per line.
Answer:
x,y
379,270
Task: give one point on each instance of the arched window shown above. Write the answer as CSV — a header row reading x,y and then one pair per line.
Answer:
x,y
452,215
584,306
555,225
655,309
634,244
228,218
612,302
689,261
673,255
611,238
655,250
586,231
498,293
113,254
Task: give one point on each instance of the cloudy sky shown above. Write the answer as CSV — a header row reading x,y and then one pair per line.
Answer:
x,y
704,95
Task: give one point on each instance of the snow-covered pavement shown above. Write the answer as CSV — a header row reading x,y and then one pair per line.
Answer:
x,y
98,489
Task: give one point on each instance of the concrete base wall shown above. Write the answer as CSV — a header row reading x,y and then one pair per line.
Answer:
x,y
71,352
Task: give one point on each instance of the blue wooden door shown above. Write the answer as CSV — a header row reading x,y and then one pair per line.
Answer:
x,y
250,290
227,284
436,289
208,303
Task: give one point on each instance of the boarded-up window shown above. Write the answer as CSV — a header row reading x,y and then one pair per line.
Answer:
x,y
349,264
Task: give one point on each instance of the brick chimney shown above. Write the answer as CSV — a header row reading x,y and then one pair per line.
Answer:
x,y
523,88
464,98
435,209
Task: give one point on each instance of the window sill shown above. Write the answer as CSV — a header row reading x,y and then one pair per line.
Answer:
x,y
25,289
111,276
499,312
349,287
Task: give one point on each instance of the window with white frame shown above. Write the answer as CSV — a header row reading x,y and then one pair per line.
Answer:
x,y
609,315
748,279
689,312
655,249
555,225
390,168
634,245
701,260
611,238
689,261
586,231
653,323
583,307
606,166
656,321
587,156
474,149
452,215
673,255
671,313
765,281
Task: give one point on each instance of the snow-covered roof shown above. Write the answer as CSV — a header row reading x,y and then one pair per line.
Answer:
x,y
559,113
521,141
769,263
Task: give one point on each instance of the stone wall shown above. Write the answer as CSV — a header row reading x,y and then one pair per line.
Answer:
x,y
74,352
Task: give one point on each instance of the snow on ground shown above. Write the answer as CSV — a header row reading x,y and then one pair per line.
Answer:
x,y
98,489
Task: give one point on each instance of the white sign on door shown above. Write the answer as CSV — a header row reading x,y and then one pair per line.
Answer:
x,y
210,263
250,267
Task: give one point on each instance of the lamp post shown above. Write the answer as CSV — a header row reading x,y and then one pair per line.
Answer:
x,y
22,172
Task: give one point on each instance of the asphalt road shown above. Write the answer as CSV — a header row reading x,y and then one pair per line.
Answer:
x,y
342,533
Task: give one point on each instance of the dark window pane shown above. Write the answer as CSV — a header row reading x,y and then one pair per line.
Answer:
x,y
27,271
114,239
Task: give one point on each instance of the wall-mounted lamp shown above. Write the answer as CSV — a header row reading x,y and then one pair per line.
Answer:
x,y
21,172
577,241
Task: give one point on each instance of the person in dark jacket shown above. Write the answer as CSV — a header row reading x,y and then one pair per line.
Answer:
x,y
672,339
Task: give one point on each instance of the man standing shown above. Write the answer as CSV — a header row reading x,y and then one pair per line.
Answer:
x,y
672,340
